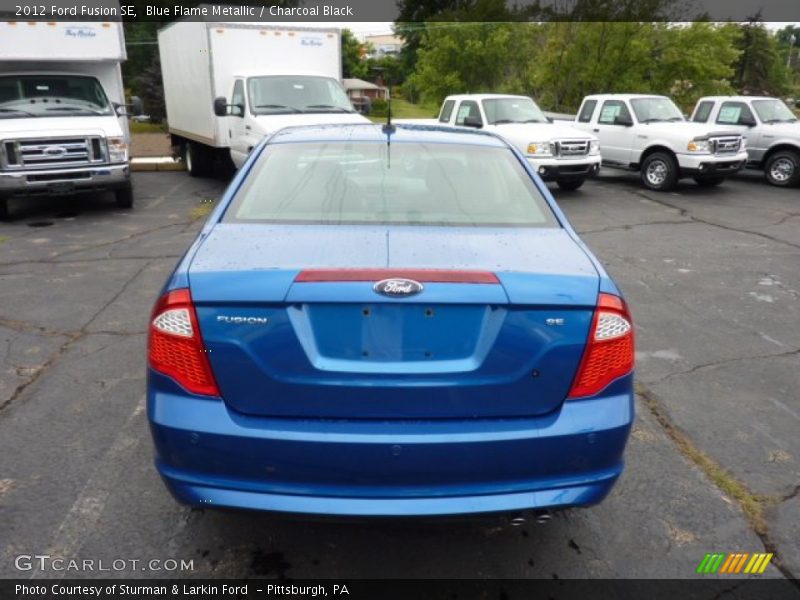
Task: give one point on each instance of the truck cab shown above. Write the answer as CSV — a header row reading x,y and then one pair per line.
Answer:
x,y
771,129
649,134
260,105
227,85
557,152
63,128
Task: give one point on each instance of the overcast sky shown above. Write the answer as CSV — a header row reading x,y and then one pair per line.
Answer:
x,y
382,27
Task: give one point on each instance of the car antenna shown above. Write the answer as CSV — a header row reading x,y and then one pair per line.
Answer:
x,y
388,129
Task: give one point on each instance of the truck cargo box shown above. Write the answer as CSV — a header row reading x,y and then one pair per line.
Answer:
x,y
199,60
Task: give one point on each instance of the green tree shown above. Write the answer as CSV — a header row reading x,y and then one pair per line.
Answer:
x,y
353,56
471,57
414,14
760,69
559,63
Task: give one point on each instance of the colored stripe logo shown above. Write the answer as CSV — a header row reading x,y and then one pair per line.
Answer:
x,y
734,563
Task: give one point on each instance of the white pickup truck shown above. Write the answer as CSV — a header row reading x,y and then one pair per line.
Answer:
x,y
649,134
558,152
772,132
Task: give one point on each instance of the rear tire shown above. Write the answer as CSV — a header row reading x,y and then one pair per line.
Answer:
x,y
198,159
569,184
659,172
4,212
709,181
783,169
124,196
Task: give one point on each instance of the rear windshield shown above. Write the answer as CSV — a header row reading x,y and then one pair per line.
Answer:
x,y
405,184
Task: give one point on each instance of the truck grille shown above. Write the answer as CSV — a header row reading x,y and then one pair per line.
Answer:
x,y
52,152
726,145
569,148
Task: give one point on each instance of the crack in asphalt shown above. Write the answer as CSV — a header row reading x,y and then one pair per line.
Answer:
x,y
685,212
790,495
632,226
72,337
120,240
82,261
721,363
25,327
121,291
37,372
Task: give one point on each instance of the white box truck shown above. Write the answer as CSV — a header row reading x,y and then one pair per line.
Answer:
x,y
227,85
63,127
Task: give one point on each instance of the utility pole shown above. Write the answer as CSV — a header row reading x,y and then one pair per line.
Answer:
x,y
792,39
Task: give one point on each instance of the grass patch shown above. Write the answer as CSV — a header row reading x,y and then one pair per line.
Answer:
x,y
752,505
203,209
137,127
403,109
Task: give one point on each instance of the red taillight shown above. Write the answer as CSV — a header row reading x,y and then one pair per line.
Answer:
x,y
175,346
609,351
422,275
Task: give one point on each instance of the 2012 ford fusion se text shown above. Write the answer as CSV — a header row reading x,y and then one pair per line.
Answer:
x,y
389,321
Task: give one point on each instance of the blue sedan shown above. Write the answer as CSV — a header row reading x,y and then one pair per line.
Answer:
x,y
389,321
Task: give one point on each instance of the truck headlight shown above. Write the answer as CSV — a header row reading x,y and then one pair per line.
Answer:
x,y
540,149
699,146
117,150
594,147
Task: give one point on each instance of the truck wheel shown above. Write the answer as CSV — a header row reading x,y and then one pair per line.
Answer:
x,y
783,169
569,184
124,196
709,181
659,172
198,160
4,213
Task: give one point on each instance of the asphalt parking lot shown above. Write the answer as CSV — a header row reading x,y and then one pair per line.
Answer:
x,y
713,280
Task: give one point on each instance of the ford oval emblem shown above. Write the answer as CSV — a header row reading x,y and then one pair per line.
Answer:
x,y
54,151
398,288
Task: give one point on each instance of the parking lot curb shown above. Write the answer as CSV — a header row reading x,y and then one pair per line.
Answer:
x,y
159,163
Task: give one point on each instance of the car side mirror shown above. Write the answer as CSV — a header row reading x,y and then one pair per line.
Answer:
x,y
549,119
747,121
623,120
221,106
137,107
134,109
473,121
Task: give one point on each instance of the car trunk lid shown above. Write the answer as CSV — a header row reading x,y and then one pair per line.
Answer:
x,y
503,341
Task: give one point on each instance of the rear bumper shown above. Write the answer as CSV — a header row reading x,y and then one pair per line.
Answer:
x,y
53,182
566,169
211,456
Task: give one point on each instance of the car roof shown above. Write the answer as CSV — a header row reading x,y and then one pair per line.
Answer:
x,y
623,96
740,97
373,132
483,96
279,72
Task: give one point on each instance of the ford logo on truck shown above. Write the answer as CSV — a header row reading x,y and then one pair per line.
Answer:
x,y
54,151
397,287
